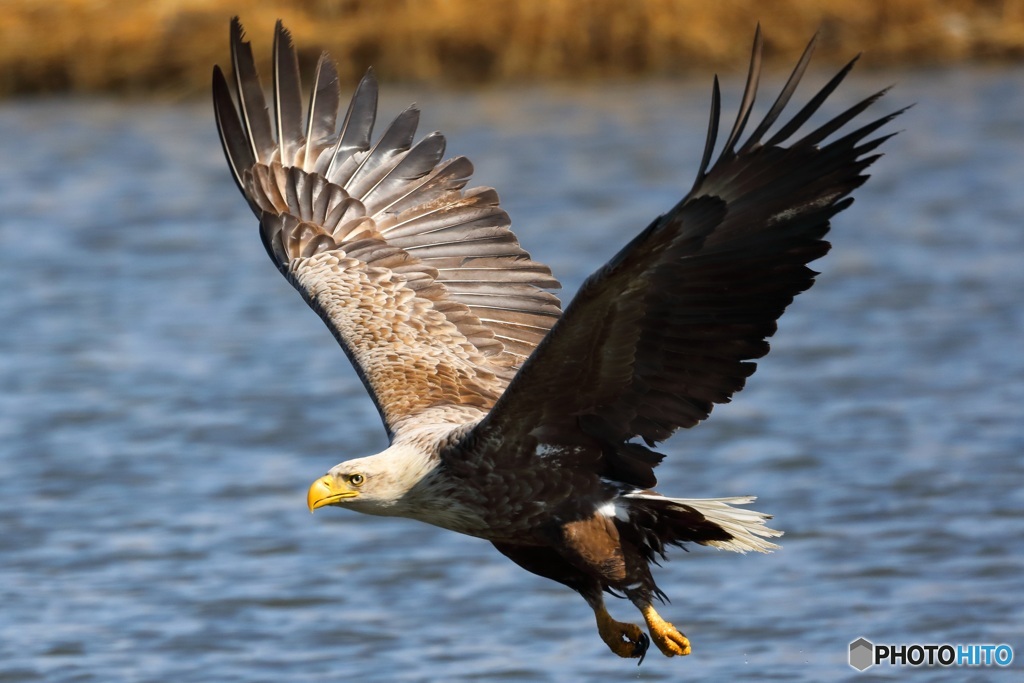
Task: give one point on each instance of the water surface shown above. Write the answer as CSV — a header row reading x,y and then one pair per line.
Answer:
x,y
166,397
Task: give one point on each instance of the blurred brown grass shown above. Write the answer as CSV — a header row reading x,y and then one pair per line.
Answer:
x,y
87,46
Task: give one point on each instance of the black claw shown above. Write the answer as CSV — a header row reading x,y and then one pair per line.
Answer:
x,y
640,648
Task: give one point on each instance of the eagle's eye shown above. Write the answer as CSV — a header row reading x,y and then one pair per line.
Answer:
x,y
356,480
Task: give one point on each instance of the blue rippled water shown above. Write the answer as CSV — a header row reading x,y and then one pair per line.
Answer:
x,y
165,399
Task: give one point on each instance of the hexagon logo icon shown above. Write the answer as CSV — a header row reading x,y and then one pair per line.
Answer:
x,y
862,654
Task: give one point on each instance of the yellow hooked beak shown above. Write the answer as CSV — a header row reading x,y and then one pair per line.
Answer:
x,y
326,491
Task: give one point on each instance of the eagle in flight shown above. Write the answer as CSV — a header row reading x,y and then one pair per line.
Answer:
x,y
508,418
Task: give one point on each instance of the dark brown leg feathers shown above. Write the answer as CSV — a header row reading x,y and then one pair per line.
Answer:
x,y
624,639
590,557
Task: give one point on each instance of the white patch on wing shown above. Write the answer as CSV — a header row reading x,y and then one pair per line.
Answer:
x,y
610,509
546,450
793,212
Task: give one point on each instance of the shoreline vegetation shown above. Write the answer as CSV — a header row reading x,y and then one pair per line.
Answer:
x,y
168,47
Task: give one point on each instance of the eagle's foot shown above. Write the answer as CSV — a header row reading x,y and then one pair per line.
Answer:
x,y
625,640
666,636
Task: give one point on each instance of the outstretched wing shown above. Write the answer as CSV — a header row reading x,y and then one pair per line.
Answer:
x,y
672,324
422,282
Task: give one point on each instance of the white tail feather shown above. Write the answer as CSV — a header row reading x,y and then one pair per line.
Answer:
x,y
747,527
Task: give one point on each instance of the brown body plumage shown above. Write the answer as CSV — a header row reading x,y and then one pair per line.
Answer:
x,y
509,420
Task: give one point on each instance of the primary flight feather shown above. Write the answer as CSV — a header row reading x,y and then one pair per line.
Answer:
x,y
508,419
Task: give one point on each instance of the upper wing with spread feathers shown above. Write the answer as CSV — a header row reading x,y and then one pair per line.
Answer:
x,y
672,324
421,281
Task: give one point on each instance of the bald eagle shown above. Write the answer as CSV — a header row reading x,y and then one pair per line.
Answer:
x,y
509,419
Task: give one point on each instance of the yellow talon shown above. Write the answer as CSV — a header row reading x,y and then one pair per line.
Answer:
x,y
668,639
625,640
